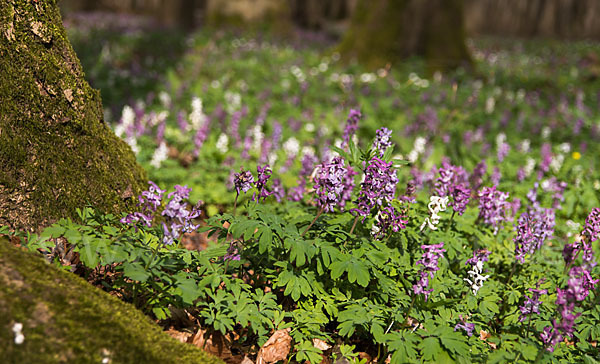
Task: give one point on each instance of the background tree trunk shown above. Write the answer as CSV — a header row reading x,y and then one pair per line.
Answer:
x,y
386,31
56,152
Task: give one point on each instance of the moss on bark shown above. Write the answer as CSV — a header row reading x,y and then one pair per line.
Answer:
x,y
56,152
66,320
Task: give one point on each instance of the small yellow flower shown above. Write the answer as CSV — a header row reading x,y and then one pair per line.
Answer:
x,y
576,155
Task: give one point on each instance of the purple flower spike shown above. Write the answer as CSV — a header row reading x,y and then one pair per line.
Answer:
x,y
264,173
460,194
378,187
329,184
591,230
351,126
531,304
429,260
387,220
492,206
382,141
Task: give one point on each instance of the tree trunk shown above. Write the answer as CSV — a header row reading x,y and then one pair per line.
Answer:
x,y
56,152
385,31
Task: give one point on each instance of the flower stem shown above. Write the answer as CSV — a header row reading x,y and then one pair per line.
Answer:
x,y
235,202
312,222
354,225
451,219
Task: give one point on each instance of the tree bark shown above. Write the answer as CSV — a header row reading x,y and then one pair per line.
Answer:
x,y
387,31
56,152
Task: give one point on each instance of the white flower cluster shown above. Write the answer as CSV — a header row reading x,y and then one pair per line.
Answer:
x,y
197,117
160,155
233,101
257,138
475,279
222,143
291,147
127,120
418,149
19,337
436,205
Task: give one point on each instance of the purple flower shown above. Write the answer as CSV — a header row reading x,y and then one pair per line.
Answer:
x,y
351,126
450,176
277,190
429,262
496,176
382,141
379,186
387,220
531,304
533,228
264,173
466,326
234,127
492,206
243,181
481,255
503,150
308,164
149,201
591,230
232,253
477,175
329,184
200,137
550,337
460,194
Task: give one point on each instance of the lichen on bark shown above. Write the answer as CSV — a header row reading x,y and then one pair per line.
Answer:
x,y
66,320
56,151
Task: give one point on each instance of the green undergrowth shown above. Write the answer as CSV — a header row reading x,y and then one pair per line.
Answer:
x,y
67,320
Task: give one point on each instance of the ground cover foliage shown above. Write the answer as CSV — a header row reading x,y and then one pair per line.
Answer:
x,y
452,218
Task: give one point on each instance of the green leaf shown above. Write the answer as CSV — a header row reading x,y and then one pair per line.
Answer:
x,y
189,290
358,272
266,239
430,347
54,231
135,271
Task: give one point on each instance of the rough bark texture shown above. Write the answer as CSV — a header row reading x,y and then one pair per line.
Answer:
x,y
386,31
66,320
56,152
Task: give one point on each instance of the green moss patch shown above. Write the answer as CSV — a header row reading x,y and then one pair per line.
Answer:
x,y
67,320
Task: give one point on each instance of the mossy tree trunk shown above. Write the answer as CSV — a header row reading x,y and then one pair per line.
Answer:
x,y
56,151
384,32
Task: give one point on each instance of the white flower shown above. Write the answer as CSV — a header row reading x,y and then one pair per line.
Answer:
x,y
420,144
127,120
308,150
525,146
233,101
257,138
222,143
291,147
565,147
197,117
160,155
556,162
436,205
529,166
546,132
132,141
500,139
413,156
309,127
476,279
165,99
490,104
19,337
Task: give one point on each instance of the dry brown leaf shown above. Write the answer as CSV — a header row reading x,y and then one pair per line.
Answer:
x,y
321,345
276,348
484,335
247,360
179,335
362,355
215,344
